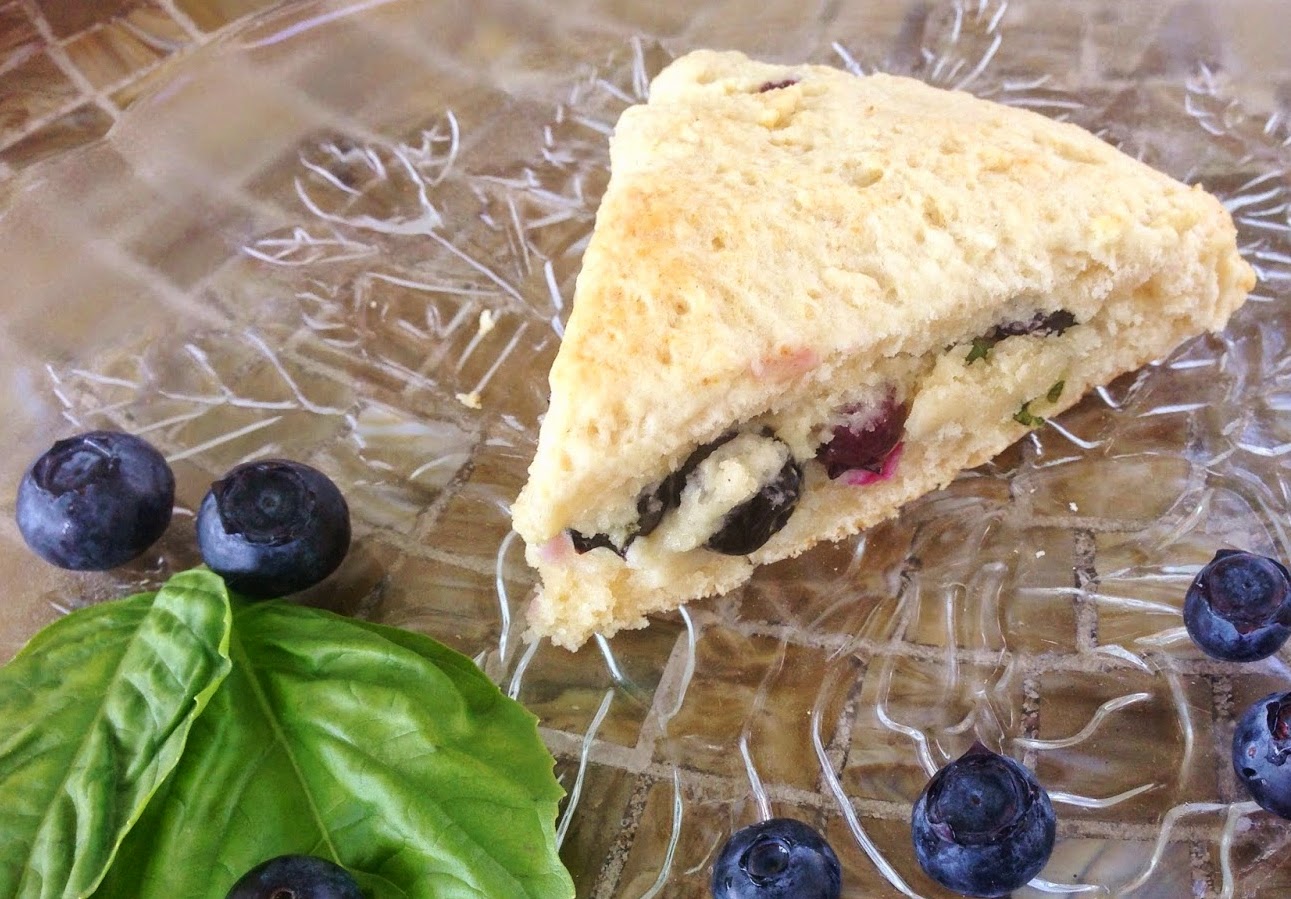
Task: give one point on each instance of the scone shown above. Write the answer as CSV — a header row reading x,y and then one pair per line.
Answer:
x,y
812,297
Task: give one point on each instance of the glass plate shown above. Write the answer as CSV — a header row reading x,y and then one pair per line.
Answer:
x,y
348,234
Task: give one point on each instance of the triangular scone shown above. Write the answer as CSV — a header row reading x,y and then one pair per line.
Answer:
x,y
788,254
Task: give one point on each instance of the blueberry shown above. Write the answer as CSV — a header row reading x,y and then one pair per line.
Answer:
x,y
745,528
753,522
1041,323
583,543
777,859
983,826
1238,607
864,444
653,502
273,527
1261,749
95,501
296,877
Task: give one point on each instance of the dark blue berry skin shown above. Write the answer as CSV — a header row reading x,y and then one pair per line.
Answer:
x,y
95,501
1262,752
777,859
653,503
273,527
752,523
1040,323
296,877
1238,607
583,543
983,826
745,529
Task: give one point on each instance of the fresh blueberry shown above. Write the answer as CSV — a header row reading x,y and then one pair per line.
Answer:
x,y
95,501
1261,749
866,443
1239,606
777,859
296,877
273,527
983,826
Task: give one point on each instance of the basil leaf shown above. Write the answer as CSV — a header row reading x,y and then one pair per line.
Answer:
x,y
981,349
96,711
372,747
1026,417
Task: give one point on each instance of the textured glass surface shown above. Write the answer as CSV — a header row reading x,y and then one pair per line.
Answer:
x,y
349,234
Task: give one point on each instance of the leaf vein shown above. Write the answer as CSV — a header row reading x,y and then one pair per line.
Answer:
x,y
266,708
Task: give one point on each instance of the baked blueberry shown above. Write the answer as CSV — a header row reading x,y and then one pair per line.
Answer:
x,y
95,501
777,859
1042,323
983,826
653,503
752,523
584,543
1238,607
744,528
1261,750
273,527
863,441
296,877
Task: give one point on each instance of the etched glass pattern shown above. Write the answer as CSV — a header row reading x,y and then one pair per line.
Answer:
x,y
349,234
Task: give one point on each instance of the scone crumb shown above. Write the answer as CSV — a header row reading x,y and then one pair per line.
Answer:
x,y
470,400
1073,507
1039,553
487,321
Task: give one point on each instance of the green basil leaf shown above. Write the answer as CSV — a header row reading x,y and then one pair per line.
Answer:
x,y
96,711
1026,417
981,349
375,748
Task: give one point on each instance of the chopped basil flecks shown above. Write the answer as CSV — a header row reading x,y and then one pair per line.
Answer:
x,y
981,349
1055,391
1042,324
1025,418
